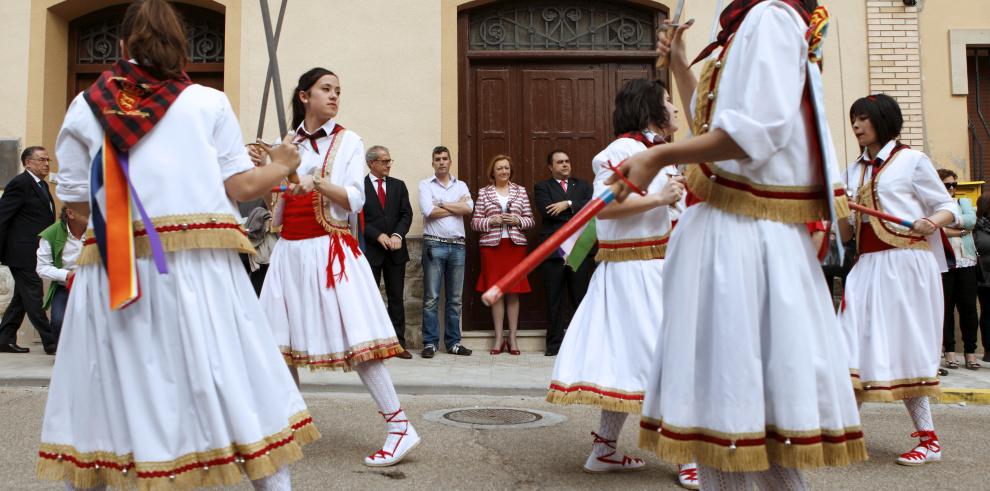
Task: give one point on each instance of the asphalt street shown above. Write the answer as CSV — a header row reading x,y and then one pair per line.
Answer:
x,y
537,458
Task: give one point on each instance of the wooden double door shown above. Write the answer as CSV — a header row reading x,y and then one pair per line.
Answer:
x,y
525,109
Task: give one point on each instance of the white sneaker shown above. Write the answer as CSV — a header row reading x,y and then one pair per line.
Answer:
x,y
687,476
401,439
612,461
928,450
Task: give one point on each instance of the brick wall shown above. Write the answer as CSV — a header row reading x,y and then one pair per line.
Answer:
x,y
895,62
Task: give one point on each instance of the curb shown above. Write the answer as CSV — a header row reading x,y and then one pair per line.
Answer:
x,y
967,396
950,395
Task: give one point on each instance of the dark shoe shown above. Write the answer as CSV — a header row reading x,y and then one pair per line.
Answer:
x,y
50,350
942,372
405,355
429,351
13,348
459,350
550,352
986,357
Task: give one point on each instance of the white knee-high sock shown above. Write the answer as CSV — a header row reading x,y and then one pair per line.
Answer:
x,y
279,481
608,429
377,380
780,478
712,479
921,413
70,487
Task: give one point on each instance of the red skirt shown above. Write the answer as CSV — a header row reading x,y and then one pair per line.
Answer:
x,y
497,261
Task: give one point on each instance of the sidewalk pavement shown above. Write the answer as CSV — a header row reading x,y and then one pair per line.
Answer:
x,y
479,374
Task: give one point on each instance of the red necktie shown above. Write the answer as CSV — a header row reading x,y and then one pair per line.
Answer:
x,y
563,184
302,135
876,165
381,192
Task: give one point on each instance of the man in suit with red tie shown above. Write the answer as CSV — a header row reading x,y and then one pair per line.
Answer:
x,y
26,208
387,217
557,200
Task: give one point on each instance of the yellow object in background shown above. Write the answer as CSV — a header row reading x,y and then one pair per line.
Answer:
x,y
969,189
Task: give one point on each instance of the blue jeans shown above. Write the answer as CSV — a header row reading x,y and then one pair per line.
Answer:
x,y
59,299
442,263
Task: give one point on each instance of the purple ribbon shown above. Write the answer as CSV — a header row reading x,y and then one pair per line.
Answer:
x,y
157,251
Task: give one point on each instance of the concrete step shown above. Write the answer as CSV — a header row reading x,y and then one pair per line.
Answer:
x,y
530,340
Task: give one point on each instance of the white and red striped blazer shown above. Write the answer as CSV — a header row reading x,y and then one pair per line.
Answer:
x,y
487,206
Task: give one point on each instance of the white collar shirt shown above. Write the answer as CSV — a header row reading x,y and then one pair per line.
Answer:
x,y
431,193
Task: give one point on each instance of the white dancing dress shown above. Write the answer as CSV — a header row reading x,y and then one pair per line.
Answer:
x,y
892,303
606,355
750,364
185,387
323,304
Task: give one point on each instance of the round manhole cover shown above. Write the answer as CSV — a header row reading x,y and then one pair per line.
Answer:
x,y
494,418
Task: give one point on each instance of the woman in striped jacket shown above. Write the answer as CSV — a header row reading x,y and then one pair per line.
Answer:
x,y
501,213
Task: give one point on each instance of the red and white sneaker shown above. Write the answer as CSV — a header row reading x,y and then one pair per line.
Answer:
x,y
401,438
687,476
928,450
612,461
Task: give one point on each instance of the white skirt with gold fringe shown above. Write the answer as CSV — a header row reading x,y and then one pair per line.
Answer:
x,y
750,369
183,388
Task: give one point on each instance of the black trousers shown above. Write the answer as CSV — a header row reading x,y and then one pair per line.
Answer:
x,y
959,290
984,296
558,279
395,278
27,299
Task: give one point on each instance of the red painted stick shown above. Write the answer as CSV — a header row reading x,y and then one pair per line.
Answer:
x,y
881,215
548,246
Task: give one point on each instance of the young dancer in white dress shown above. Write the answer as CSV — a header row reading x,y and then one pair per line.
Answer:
x,y
752,380
606,355
165,380
892,304
321,298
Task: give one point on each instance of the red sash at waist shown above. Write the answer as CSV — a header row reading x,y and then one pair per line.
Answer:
x,y
299,219
299,223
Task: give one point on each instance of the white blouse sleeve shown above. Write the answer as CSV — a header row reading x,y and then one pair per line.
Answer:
x,y
353,177
931,191
762,82
231,154
76,145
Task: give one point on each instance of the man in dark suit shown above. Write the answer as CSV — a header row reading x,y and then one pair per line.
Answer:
x,y
26,208
387,217
557,200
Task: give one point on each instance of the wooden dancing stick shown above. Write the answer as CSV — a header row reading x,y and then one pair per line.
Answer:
x,y
548,246
881,215
664,61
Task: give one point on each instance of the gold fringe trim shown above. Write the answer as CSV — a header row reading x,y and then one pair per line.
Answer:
x,y
744,203
751,458
379,349
179,240
321,204
897,390
219,467
594,395
636,253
